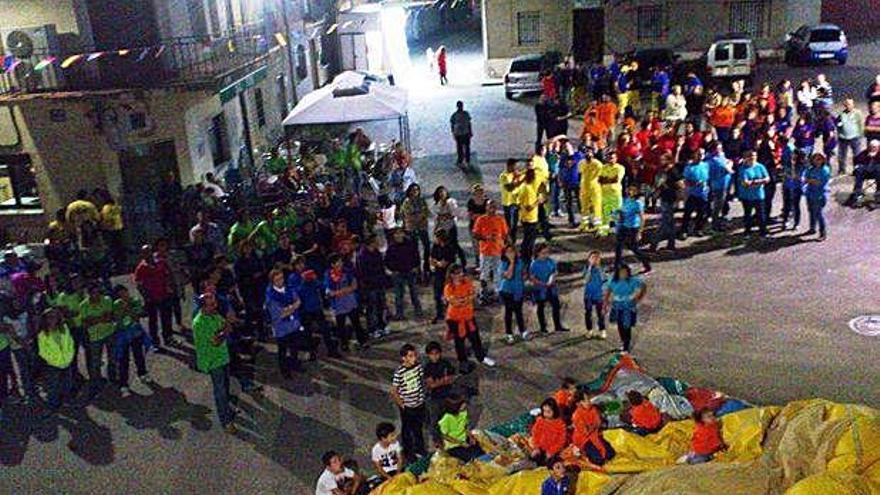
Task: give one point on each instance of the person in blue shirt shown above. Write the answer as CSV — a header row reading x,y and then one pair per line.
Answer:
x,y
720,170
794,162
752,177
696,178
570,179
542,275
631,220
282,306
692,84
594,282
659,88
622,296
308,286
511,288
558,482
816,178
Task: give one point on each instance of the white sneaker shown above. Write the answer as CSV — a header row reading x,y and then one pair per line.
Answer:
x,y
489,362
125,392
510,339
603,335
386,331
527,335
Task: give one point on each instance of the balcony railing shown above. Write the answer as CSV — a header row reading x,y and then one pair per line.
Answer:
x,y
191,61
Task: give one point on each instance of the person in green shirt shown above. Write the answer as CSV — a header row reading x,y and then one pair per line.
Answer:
x,y
96,316
128,311
68,301
210,330
56,348
457,439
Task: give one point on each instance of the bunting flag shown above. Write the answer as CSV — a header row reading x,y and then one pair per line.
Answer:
x,y
346,24
13,65
94,56
46,62
332,28
282,41
143,54
160,51
71,60
123,52
230,45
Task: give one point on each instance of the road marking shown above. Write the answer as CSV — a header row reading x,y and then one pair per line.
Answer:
x,y
867,325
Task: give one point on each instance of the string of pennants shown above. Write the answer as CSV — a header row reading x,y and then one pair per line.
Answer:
x,y
9,63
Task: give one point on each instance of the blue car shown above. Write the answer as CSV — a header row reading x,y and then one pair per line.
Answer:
x,y
816,44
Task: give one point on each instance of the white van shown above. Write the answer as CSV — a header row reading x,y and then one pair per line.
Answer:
x,y
732,57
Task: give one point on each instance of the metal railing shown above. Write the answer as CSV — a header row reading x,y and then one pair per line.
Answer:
x,y
195,60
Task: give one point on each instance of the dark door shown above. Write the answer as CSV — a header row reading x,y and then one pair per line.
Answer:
x,y
589,35
143,168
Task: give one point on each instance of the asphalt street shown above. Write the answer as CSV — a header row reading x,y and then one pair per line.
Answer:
x,y
766,322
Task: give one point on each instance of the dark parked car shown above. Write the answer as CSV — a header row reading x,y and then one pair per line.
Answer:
x,y
816,44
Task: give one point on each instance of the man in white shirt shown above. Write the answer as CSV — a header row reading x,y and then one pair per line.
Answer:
x,y
334,479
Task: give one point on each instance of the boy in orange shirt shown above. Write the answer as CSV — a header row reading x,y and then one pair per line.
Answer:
x,y
706,441
460,322
607,111
490,230
587,436
565,396
641,417
594,127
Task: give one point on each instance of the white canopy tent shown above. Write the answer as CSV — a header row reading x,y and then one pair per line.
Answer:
x,y
353,97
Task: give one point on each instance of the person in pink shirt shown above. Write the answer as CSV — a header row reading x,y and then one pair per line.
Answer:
x,y
154,281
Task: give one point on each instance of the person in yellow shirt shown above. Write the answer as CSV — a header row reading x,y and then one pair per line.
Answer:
x,y
111,227
542,178
590,191
611,181
529,204
509,182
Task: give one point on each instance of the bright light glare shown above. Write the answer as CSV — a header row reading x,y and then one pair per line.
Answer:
x,y
396,48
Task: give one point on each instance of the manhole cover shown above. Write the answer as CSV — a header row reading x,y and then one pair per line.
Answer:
x,y
868,325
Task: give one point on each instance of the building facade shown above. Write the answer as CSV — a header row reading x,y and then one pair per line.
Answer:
x,y
161,88
593,29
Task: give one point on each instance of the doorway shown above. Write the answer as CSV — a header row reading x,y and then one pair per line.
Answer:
x,y
589,35
143,168
354,51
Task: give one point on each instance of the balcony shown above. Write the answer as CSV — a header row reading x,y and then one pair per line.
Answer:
x,y
193,62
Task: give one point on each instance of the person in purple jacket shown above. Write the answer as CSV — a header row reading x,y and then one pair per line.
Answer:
x,y
340,286
282,305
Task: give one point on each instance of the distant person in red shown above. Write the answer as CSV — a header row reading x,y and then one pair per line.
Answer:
x,y
706,440
564,397
441,65
153,279
549,433
641,416
548,85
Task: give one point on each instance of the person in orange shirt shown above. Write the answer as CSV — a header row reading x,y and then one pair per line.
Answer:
x,y
490,231
607,112
641,416
549,433
722,119
594,127
706,440
587,436
460,322
564,397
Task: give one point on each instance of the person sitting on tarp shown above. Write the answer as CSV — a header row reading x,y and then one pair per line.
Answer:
x,y
549,433
641,416
587,436
706,440
565,396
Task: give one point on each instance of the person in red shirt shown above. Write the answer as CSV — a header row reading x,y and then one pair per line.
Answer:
x,y
587,436
641,416
441,65
153,279
549,433
564,397
706,440
692,137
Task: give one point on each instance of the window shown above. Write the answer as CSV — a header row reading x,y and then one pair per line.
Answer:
x,y
302,69
18,184
650,23
528,27
261,111
740,51
219,140
748,17
281,95
722,52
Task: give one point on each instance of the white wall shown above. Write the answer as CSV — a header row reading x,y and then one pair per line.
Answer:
x,y
28,13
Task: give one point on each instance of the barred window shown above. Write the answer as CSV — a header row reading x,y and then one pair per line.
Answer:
x,y
528,27
650,22
749,17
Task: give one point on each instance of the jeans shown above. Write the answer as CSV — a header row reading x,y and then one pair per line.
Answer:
x,y
769,194
439,280
288,352
863,173
691,205
571,203
59,386
753,208
95,356
629,238
488,266
466,454
554,195
551,297
847,146
344,333
453,240
666,231
513,307
816,207
473,337
791,204
511,216
374,302
315,321
412,422
530,235
626,319
134,348
595,456
589,304
159,311
463,149
402,281
718,199
421,236
24,359
220,383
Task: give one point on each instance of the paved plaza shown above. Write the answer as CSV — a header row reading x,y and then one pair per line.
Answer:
x,y
766,322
